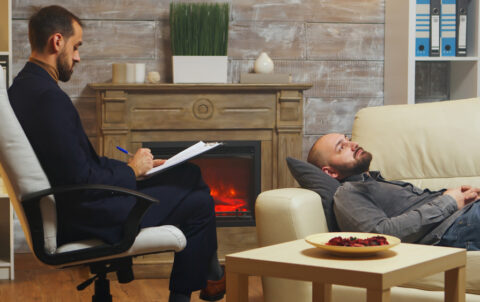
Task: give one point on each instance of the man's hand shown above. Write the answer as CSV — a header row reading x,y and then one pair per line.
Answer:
x,y
158,162
143,161
463,195
474,191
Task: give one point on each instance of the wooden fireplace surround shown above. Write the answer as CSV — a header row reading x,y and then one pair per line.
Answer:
x,y
130,114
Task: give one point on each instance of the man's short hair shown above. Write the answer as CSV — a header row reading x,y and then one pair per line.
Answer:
x,y
48,21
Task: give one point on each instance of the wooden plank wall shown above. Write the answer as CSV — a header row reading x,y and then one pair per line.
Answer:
x,y
335,44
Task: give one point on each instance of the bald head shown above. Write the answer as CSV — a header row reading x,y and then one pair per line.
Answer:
x,y
339,157
323,149
319,154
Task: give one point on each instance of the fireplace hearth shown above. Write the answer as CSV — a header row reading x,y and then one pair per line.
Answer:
x,y
232,171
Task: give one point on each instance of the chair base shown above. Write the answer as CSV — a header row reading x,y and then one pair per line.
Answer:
x,y
102,290
123,268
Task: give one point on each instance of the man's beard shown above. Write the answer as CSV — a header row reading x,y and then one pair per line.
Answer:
x,y
64,70
362,164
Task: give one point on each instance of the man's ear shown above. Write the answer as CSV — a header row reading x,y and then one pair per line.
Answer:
x,y
330,171
56,42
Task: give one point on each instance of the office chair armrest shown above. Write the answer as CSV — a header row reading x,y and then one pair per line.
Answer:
x,y
71,188
31,204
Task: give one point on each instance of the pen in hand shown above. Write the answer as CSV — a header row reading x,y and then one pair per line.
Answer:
x,y
124,151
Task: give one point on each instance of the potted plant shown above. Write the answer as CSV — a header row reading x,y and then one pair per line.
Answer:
x,y
199,39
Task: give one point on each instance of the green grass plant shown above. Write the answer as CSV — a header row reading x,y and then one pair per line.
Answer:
x,y
199,29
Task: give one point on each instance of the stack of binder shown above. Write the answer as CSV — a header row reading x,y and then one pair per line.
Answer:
x,y
441,28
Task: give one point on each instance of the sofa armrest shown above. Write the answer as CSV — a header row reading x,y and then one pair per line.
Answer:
x,y
288,214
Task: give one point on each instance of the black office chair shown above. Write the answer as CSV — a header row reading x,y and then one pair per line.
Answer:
x,y
32,198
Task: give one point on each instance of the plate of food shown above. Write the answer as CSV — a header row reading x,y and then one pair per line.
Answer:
x,y
347,243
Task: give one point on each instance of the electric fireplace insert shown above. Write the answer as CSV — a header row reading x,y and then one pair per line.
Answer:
x,y
232,172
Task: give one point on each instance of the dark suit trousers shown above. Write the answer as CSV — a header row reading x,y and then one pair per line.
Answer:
x,y
192,210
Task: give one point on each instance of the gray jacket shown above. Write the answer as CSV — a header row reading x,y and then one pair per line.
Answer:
x,y
368,203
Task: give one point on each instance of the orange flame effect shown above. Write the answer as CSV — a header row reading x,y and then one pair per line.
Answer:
x,y
228,189
227,200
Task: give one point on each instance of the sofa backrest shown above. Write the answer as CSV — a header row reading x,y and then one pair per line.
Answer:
x,y
433,145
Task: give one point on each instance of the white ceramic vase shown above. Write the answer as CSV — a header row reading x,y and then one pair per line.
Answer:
x,y
263,64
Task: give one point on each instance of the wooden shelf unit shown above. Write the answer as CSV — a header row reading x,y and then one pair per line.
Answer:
x,y
6,237
6,210
400,59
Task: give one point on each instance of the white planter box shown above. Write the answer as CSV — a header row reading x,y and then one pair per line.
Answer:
x,y
200,69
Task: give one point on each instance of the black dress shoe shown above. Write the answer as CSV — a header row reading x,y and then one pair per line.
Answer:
x,y
214,291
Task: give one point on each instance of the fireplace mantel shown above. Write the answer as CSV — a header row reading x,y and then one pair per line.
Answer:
x,y
129,114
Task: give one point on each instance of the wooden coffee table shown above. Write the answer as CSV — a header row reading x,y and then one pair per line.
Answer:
x,y
299,260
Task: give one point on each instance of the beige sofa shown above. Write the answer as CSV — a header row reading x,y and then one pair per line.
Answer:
x,y
434,145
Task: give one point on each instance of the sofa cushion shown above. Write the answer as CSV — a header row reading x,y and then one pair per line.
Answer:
x,y
312,178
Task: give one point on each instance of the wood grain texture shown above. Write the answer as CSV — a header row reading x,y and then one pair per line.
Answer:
x,y
340,78
119,39
37,282
324,115
100,10
138,137
133,40
182,111
329,78
281,40
357,11
338,41
284,40
362,11
290,141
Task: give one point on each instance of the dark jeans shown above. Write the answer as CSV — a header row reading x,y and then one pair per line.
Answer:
x,y
465,231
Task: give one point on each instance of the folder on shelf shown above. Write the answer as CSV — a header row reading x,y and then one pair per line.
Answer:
x,y
435,28
422,28
462,11
448,28
4,68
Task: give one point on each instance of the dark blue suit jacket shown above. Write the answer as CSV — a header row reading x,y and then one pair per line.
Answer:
x,y
54,129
